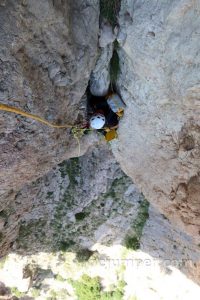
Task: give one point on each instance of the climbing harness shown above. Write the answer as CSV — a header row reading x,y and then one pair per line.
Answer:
x,y
18,111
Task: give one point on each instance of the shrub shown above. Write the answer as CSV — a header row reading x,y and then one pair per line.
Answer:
x,y
83,255
2,262
80,216
16,292
65,245
35,293
88,288
133,241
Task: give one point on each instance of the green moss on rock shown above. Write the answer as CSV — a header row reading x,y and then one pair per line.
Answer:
x,y
133,241
70,168
80,216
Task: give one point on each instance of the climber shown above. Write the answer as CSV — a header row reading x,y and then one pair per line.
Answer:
x,y
105,113
97,121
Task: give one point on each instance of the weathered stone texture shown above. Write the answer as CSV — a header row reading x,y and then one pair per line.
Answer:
x,y
81,202
159,135
48,50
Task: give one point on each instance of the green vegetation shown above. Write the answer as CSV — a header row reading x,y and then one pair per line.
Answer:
x,y
2,262
109,10
88,288
53,295
1,236
70,168
142,217
114,65
60,278
3,214
113,191
83,255
16,292
65,245
49,195
58,295
133,241
34,230
64,232
35,292
80,216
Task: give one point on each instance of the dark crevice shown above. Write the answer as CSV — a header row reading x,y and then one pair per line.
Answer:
x,y
109,10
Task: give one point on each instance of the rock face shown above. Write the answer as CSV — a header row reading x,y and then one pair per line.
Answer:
x,y
100,77
171,246
81,202
51,205
46,57
159,135
74,220
48,50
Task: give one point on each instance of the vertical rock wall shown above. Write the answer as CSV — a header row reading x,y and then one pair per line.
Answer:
x,y
159,135
48,50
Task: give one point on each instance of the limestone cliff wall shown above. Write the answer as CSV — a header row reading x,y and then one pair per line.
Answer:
x,y
48,50
46,57
159,135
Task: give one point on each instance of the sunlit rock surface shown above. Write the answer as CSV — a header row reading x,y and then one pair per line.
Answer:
x,y
48,50
159,135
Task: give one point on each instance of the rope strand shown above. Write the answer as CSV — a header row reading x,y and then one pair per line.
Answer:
x,y
18,111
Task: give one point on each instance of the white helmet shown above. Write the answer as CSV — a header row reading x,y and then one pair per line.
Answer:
x,y
97,121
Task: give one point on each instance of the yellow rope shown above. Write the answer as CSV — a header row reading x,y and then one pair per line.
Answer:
x,y
18,111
